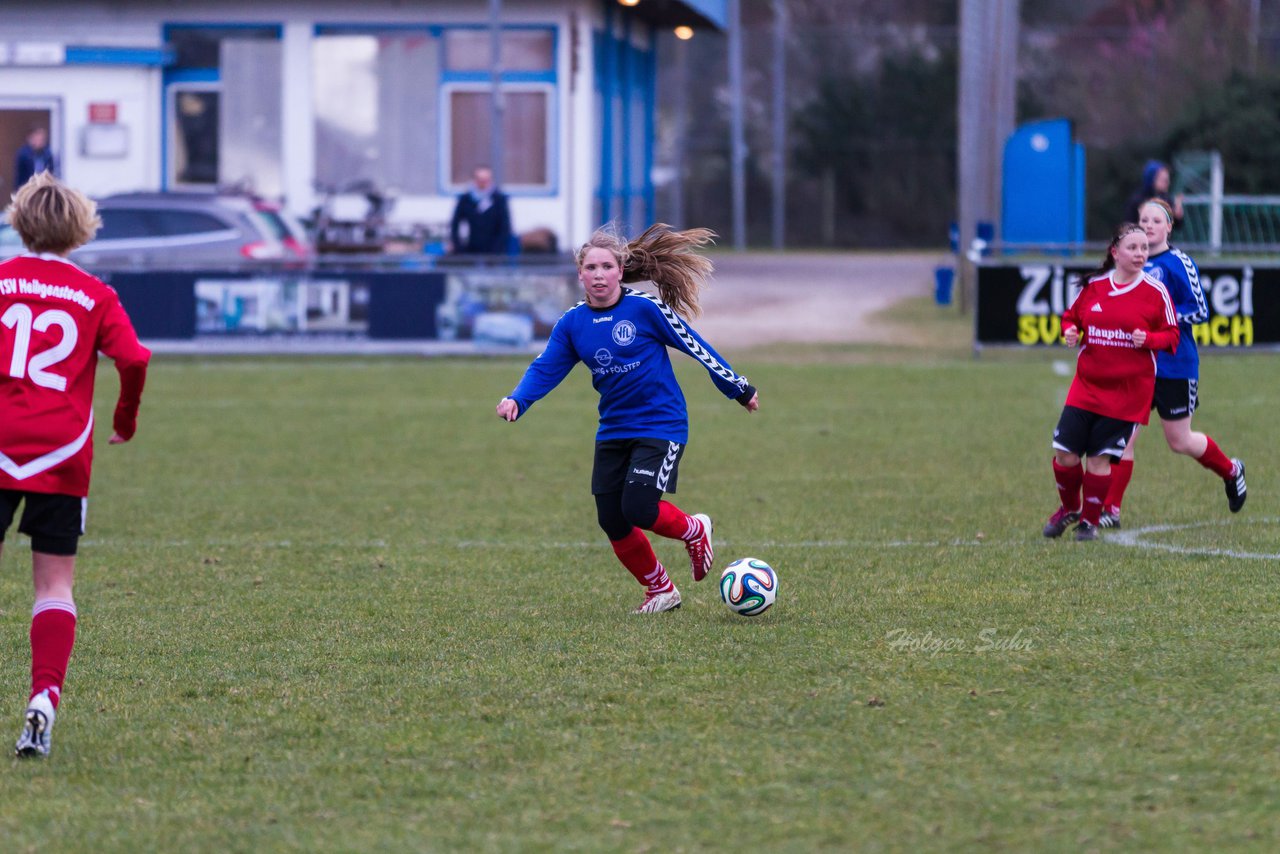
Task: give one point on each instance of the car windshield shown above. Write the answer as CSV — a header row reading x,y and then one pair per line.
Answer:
x,y
277,227
263,222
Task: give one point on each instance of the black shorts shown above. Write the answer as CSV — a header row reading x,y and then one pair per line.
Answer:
x,y
1088,434
53,522
1175,399
654,462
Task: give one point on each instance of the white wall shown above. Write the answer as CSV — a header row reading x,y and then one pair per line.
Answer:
x,y
136,94
580,159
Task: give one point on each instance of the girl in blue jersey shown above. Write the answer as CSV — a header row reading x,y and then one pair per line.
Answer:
x,y
1177,374
622,335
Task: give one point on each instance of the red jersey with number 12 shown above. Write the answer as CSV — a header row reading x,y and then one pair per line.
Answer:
x,y
1114,377
54,318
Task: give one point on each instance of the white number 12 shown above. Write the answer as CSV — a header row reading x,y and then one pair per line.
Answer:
x,y
19,319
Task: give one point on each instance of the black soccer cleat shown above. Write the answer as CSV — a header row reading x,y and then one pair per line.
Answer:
x,y
1236,489
1086,532
1060,521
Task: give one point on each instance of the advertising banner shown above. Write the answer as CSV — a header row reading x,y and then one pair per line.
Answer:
x,y
1022,304
508,307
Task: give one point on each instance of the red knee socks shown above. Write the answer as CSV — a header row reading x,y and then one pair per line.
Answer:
x,y
674,524
1069,479
1121,472
53,634
1215,461
637,556
1095,492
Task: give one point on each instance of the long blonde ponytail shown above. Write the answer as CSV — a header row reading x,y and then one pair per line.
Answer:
x,y
664,256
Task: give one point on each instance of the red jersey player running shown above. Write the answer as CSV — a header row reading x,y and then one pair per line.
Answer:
x,y
1121,317
54,319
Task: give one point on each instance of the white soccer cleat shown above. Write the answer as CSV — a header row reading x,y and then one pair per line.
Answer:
x,y
656,603
701,554
37,727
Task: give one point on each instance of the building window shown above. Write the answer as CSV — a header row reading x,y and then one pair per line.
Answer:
x,y
376,109
199,46
223,103
194,110
526,160
527,87
470,49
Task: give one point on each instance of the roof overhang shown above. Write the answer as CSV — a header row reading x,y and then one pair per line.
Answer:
x,y
700,14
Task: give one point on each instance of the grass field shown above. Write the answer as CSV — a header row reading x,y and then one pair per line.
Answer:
x,y
337,605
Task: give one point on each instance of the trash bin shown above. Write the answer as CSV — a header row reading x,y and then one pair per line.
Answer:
x,y
943,278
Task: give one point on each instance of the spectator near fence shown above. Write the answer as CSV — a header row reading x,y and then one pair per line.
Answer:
x,y
481,223
33,157
1156,183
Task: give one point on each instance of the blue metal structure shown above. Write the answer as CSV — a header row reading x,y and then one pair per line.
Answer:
x,y
626,86
1043,190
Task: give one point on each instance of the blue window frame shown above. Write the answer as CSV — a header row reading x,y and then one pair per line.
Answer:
x,y
191,141
528,85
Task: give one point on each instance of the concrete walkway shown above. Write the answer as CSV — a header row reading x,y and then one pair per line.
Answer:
x,y
765,298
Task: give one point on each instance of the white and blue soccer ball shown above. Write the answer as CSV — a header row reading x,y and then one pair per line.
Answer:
x,y
749,586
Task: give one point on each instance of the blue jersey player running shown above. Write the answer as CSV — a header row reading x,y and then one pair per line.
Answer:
x,y
1177,374
623,337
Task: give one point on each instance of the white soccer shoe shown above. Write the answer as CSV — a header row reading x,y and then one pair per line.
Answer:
x,y
656,603
701,554
37,727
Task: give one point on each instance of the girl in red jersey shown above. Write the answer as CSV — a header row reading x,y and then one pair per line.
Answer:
x,y
54,320
1121,317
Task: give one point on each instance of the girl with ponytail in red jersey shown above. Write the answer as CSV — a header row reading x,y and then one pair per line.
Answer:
x,y
1121,317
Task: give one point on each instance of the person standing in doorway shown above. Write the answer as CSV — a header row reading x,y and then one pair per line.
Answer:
x,y
481,222
33,157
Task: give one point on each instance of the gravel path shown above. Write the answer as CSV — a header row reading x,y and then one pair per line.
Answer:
x,y
765,298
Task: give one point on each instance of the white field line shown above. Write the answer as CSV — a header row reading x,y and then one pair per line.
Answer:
x,y
1141,538
1138,538
215,542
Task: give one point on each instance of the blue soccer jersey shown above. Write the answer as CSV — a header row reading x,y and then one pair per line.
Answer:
x,y
625,348
1181,278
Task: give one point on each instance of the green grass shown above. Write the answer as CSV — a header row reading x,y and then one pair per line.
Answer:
x,y
337,605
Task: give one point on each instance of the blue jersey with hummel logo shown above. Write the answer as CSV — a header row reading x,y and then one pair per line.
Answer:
x,y
625,348
1180,276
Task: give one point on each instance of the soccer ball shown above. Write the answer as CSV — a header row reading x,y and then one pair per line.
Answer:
x,y
748,586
